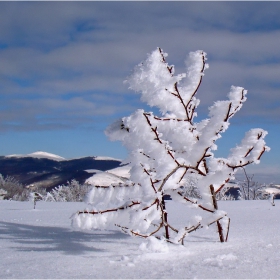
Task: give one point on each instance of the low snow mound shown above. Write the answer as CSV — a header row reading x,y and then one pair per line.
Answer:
x,y
273,189
39,154
154,245
104,179
106,158
122,171
93,171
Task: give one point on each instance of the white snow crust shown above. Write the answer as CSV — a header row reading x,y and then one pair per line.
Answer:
x,y
122,171
273,190
41,244
104,179
106,158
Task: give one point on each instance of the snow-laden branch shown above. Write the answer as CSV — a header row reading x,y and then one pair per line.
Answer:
x,y
157,82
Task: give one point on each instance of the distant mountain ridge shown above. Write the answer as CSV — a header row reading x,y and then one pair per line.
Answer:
x,y
38,154
49,170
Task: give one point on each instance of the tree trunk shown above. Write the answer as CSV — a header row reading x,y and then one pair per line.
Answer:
x,y
165,219
220,228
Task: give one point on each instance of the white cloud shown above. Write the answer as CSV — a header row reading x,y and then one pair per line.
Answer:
x,y
64,51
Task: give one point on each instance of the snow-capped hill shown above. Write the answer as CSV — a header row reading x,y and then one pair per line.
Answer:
x,y
39,154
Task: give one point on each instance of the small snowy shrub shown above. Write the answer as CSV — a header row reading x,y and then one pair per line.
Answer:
x,y
169,150
2,194
72,192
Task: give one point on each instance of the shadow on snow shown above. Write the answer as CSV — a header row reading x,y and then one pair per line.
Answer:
x,y
45,238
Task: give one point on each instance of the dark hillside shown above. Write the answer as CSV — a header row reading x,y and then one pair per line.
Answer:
x,y
50,173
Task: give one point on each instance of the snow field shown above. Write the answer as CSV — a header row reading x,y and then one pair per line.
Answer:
x,y
41,243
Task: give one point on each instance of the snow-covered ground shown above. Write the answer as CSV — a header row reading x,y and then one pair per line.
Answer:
x,y
41,243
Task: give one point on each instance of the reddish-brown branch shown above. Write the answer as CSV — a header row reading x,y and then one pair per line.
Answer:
x,y
145,170
178,95
195,203
192,112
240,103
197,87
146,235
195,227
152,184
221,187
263,150
157,137
167,177
116,186
126,229
109,210
201,159
147,207
186,169
240,165
248,152
227,230
205,166
181,100
170,119
145,155
162,56
156,134
227,116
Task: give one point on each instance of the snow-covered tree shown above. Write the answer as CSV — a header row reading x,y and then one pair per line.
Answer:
x,y
14,189
224,193
169,150
249,189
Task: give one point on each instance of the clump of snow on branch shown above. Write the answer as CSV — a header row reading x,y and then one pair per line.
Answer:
x,y
169,150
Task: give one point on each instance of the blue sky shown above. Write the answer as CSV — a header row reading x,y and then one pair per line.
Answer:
x,y
62,67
